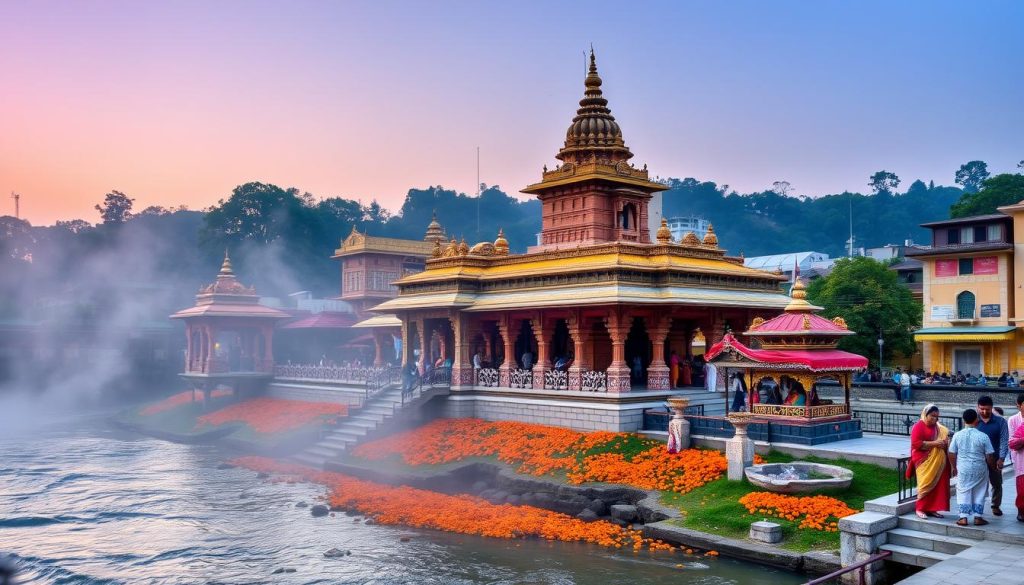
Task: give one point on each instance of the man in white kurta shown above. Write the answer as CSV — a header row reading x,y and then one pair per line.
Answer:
x,y
970,457
710,377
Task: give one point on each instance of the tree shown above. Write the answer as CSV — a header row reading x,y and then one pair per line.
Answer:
x,y
869,297
971,175
884,182
116,208
75,226
1004,189
780,188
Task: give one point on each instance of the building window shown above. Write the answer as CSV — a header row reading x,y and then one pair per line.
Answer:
x,y
981,233
965,305
967,235
953,236
966,266
994,233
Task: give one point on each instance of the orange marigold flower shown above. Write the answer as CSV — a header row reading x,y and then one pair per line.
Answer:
x,y
273,415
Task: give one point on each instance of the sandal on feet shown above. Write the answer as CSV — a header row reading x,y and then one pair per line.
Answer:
x,y
980,522
935,515
961,522
922,515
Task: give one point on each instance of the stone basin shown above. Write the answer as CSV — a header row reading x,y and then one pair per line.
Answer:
x,y
798,477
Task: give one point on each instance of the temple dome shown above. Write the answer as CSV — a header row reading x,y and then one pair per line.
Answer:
x,y
435,233
594,130
664,234
501,244
690,239
710,239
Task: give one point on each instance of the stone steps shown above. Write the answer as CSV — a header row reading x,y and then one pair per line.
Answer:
x,y
942,543
916,557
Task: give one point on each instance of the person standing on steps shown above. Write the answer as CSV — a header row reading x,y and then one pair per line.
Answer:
x,y
1015,430
928,461
995,428
971,456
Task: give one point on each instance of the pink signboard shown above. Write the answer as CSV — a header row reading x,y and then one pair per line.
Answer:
x,y
986,265
945,268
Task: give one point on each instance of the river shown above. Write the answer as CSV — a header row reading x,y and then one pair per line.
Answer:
x,y
81,502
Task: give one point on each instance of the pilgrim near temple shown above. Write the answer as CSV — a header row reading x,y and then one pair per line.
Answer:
x,y
584,330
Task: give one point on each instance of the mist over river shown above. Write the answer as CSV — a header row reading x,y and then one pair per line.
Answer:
x,y
81,502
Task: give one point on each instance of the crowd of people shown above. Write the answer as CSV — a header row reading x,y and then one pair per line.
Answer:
x,y
898,376
974,455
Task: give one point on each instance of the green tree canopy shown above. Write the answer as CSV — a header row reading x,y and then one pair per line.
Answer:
x,y
868,295
884,182
971,175
116,208
1005,189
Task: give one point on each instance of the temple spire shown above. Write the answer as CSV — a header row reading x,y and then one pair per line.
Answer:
x,y
225,267
594,133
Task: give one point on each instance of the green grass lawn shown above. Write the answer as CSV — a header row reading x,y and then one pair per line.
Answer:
x,y
715,507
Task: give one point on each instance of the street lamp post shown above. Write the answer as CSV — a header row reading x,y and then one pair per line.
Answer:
x,y
881,342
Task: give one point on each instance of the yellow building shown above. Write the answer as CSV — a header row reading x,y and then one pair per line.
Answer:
x,y
970,305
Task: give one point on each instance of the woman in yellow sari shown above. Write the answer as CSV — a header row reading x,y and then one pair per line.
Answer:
x,y
928,459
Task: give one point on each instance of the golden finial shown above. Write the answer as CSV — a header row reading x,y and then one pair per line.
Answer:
x,y
840,322
463,247
690,239
664,234
437,249
757,322
501,244
435,233
225,267
710,239
799,303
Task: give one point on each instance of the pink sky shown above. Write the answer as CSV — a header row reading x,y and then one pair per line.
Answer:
x,y
178,103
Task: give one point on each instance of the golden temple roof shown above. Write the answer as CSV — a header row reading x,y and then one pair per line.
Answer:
x,y
357,242
612,255
226,297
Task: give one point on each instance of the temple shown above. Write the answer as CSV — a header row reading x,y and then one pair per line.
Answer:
x,y
597,308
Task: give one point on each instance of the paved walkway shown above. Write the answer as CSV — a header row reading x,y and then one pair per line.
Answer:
x,y
997,558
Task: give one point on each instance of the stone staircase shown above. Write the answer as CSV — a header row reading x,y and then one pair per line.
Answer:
x,y
923,543
363,422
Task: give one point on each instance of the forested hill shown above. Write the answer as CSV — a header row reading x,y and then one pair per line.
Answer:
x,y
282,239
772,223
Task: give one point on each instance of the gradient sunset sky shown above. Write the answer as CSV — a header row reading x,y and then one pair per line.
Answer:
x,y
176,103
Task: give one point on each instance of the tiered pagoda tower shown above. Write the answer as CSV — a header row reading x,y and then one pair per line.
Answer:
x,y
595,195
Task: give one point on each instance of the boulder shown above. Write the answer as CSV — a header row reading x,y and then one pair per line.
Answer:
x,y
479,486
284,570
587,515
336,552
624,512
319,510
302,505
598,506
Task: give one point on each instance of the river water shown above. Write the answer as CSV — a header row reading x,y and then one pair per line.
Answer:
x,y
81,502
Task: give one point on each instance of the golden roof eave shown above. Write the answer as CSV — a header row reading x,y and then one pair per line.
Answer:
x,y
593,175
359,243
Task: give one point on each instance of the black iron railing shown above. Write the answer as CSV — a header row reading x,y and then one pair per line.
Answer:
x,y
907,485
859,566
897,423
657,420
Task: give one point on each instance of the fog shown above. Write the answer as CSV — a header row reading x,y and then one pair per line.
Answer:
x,y
84,318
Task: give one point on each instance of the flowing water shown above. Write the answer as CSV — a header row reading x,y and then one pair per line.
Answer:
x,y
84,503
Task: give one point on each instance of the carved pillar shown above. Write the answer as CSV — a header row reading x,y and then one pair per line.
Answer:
x,y
188,347
421,330
658,370
462,366
580,338
543,363
504,372
268,352
618,372
378,346
406,344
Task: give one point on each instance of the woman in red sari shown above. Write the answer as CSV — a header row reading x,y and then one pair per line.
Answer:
x,y
928,459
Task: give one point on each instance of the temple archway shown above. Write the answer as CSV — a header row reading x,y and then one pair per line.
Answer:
x,y
638,351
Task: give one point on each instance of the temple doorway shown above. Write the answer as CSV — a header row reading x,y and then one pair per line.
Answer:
x,y
638,352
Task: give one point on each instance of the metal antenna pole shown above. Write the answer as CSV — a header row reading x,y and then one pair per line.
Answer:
x,y
17,204
850,248
478,193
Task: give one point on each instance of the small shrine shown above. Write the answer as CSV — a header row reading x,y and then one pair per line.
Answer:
x,y
229,334
783,367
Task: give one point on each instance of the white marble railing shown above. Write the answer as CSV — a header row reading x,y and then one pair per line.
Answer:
x,y
328,373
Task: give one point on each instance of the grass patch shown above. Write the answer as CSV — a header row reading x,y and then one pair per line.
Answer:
x,y
715,507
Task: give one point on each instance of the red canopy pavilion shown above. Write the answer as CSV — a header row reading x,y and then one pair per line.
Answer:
x,y
794,353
